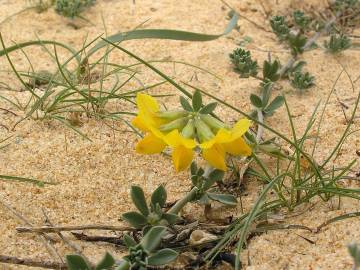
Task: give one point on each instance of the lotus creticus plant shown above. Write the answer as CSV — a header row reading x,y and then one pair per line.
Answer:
x,y
189,130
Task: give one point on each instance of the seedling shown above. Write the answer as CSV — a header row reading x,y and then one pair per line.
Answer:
x,y
337,43
72,8
140,255
271,70
280,27
243,63
149,216
301,20
302,80
204,185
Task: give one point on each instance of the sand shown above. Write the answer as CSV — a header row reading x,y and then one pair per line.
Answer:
x,y
94,177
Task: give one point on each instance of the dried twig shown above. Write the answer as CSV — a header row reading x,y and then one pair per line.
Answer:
x,y
65,240
44,238
48,229
32,263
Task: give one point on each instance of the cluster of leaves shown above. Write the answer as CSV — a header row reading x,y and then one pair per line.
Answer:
x,y
263,103
72,8
341,5
140,255
301,20
302,80
149,216
280,27
243,63
204,186
337,43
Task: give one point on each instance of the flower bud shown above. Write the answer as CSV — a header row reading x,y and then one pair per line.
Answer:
x,y
189,130
175,124
203,131
171,115
212,122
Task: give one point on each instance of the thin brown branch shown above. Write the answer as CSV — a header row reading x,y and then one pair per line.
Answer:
x,y
32,263
44,238
48,229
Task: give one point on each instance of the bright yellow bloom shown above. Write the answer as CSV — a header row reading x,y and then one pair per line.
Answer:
x,y
226,141
155,141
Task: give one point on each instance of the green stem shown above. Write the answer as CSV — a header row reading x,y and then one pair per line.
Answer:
x,y
181,203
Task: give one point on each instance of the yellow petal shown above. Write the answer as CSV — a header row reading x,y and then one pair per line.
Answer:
x,y
215,156
238,148
146,103
240,128
175,139
150,144
182,157
139,123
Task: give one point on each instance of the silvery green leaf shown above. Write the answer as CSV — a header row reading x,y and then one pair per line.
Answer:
x,y
135,219
163,256
197,100
106,263
185,104
159,196
76,262
138,198
152,238
223,198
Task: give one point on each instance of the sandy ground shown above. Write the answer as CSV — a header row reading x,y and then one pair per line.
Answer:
x,y
94,177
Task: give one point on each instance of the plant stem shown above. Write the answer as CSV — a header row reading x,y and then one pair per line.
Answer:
x,y
181,203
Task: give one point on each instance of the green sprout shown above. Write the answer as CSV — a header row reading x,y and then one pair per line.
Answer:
x,y
72,8
354,251
149,216
204,185
243,63
302,80
337,43
341,5
141,255
297,43
301,20
271,70
263,103
280,27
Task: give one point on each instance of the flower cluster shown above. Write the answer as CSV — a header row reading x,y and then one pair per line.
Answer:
x,y
187,130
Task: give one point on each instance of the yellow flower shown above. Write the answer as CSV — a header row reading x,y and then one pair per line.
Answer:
x,y
155,141
226,141
146,118
183,153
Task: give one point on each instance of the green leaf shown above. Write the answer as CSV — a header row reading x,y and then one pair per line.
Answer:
x,y
197,101
159,196
152,238
266,93
124,265
214,176
106,263
204,199
223,198
138,198
209,108
129,241
76,262
275,104
185,104
193,168
163,256
170,218
135,219
163,34
256,101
